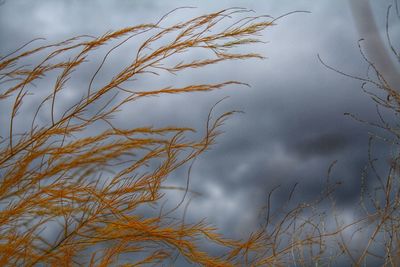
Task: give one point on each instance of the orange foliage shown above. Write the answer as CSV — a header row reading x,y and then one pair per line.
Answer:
x,y
87,189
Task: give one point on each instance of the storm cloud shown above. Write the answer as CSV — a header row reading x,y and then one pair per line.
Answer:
x,y
293,125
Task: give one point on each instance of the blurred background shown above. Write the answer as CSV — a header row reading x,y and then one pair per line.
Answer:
x,y
293,126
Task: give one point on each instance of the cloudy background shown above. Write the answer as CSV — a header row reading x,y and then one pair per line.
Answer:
x,y
293,125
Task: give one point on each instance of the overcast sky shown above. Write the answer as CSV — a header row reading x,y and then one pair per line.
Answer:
x,y
293,125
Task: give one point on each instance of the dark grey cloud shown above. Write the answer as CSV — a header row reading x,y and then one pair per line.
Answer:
x,y
293,125
319,145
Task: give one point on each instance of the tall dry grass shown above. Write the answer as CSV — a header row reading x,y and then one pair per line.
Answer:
x,y
374,239
88,180
88,185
